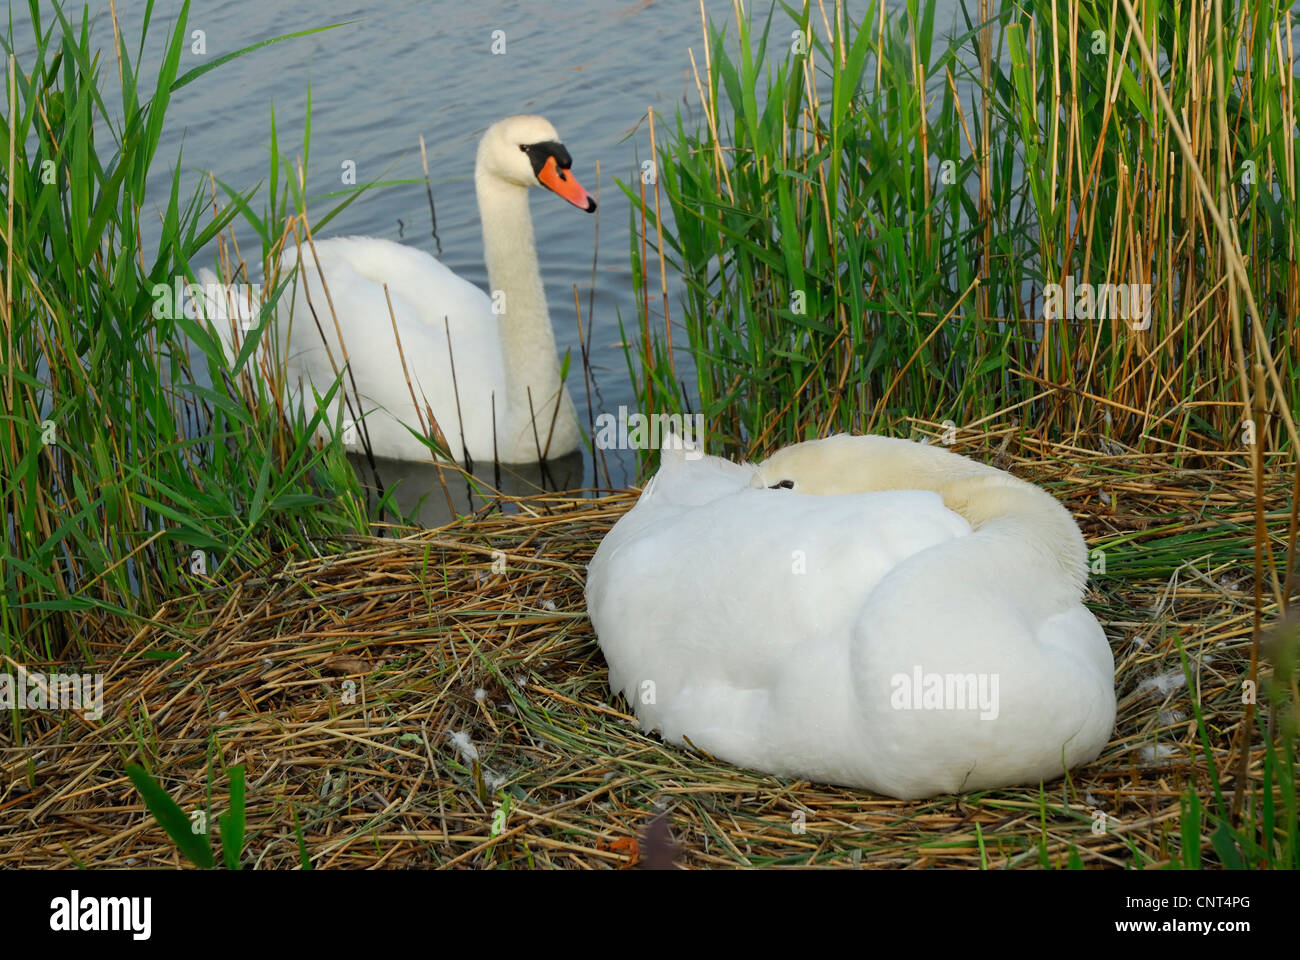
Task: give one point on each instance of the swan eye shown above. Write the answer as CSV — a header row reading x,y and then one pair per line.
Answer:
x,y
783,485
539,153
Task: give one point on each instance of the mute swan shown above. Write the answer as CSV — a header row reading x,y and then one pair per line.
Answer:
x,y
858,610
503,346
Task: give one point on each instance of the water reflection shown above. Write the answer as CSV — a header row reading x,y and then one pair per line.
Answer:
x,y
417,489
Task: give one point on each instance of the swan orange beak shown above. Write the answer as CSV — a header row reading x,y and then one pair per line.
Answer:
x,y
565,184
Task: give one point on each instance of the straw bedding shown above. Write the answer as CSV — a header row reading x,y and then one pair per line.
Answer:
x,y
410,704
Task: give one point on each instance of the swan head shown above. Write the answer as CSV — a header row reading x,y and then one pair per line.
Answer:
x,y
815,467
525,151
856,464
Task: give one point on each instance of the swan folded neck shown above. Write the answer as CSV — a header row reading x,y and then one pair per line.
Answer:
x,y
1005,506
998,505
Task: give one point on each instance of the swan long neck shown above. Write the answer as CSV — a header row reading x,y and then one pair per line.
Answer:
x,y
528,342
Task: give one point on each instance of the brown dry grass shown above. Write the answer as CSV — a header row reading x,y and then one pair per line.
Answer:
x,y
256,671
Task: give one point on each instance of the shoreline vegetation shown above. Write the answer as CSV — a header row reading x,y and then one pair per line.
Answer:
x,y
876,230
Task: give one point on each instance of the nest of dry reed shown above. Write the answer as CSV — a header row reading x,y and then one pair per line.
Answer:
x,y
408,704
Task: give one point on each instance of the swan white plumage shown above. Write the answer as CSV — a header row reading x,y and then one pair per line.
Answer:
x,y
861,611
502,346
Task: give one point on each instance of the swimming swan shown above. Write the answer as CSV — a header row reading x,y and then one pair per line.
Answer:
x,y
503,346
861,611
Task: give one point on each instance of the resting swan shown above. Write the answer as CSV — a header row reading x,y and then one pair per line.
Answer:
x,y
503,346
861,611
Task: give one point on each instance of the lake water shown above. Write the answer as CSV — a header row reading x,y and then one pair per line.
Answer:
x,y
405,69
